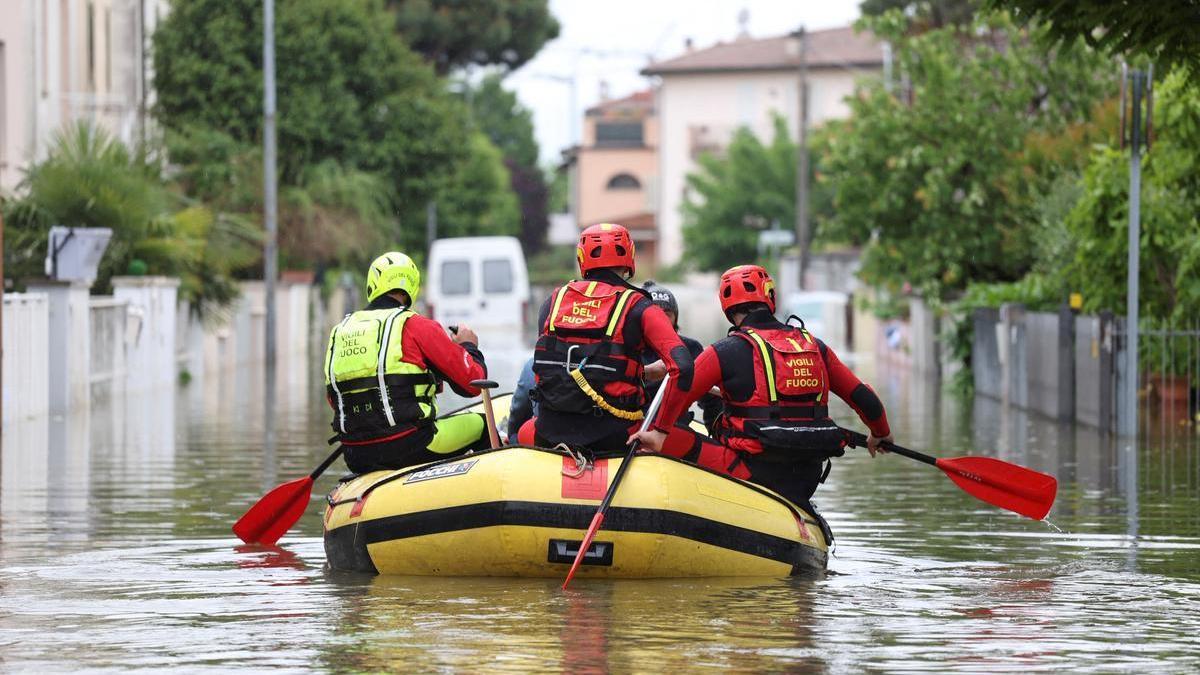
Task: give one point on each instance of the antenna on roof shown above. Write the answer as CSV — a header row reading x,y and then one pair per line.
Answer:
x,y
743,19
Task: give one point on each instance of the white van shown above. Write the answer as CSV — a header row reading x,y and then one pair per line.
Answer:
x,y
480,281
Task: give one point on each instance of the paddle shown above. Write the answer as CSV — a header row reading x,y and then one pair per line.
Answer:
x,y
1009,486
616,481
279,509
486,387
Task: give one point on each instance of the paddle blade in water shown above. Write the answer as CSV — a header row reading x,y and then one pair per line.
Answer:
x,y
583,545
1009,486
275,513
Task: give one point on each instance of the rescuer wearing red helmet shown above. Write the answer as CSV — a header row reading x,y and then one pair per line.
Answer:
x,y
775,381
588,358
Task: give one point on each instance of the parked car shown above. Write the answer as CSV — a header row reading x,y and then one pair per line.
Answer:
x,y
824,314
480,281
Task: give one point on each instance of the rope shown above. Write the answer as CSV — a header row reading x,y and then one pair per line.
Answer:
x,y
632,416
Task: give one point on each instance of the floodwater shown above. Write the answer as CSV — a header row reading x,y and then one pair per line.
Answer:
x,y
115,553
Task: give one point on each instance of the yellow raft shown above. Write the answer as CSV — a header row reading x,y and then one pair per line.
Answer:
x,y
522,512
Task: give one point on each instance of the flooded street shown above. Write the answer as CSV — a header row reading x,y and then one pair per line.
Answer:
x,y
115,552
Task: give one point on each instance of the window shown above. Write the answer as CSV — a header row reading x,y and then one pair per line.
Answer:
x,y
618,134
497,276
456,277
624,181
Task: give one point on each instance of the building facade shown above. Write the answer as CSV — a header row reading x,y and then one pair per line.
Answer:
x,y
615,170
63,61
705,95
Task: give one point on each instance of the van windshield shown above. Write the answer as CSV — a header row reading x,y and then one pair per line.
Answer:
x,y
456,277
497,276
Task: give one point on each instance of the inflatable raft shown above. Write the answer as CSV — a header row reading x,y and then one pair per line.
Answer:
x,y
522,511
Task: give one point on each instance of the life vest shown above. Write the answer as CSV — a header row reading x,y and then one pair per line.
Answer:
x,y
586,359
376,395
787,415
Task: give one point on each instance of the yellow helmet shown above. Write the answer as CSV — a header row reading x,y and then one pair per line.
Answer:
x,y
393,271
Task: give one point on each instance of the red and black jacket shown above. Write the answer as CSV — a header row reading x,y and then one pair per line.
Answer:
x,y
586,330
601,326
796,423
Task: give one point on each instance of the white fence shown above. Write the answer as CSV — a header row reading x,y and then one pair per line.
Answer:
x,y
26,356
110,326
143,338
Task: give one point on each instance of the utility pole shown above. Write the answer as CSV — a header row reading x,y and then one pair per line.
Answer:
x,y
430,226
802,226
1138,81
270,261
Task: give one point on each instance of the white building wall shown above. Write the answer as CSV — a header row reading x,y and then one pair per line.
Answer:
x,y
715,105
45,83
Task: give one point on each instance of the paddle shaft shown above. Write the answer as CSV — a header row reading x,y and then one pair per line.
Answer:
x,y
859,440
598,519
337,452
490,416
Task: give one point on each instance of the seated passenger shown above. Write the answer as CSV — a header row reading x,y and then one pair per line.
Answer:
x,y
775,381
383,368
588,358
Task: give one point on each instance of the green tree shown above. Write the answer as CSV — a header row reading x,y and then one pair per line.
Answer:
x,y
350,91
454,33
509,125
733,196
90,179
499,114
925,14
1162,31
750,187
1170,224
935,176
478,199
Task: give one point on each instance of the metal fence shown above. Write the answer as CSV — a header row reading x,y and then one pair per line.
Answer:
x,y
1168,381
1071,367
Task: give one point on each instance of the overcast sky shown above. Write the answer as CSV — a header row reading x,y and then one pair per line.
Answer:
x,y
612,40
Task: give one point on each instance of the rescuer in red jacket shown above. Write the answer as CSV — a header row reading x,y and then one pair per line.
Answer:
x,y
588,358
775,380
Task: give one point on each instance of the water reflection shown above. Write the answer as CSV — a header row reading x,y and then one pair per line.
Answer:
x,y
116,552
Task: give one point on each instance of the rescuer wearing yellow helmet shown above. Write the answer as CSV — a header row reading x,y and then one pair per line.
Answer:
x,y
383,368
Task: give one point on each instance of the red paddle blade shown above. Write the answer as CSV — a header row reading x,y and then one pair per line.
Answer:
x,y
1009,486
583,546
275,513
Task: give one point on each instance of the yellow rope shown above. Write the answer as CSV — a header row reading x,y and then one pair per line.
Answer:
x,y
633,416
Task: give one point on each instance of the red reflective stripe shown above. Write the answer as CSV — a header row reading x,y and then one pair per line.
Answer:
x,y
356,510
393,437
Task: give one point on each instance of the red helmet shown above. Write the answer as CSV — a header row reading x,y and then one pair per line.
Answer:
x,y
604,245
746,283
